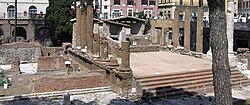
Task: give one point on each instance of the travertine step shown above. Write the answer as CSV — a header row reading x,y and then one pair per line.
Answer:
x,y
185,83
175,76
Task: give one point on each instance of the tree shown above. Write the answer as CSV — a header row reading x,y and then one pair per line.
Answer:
x,y
58,16
219,46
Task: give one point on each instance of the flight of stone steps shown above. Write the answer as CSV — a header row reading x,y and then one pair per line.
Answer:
x,y
183,84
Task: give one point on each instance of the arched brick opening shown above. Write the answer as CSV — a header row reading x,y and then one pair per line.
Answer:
x,y
20,33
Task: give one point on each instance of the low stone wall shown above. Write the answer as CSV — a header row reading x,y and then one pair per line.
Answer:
x,y
139,40
24,51
52,51
48,84
145,48
50,63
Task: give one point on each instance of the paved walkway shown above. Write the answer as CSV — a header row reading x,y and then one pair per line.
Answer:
x,y
153,63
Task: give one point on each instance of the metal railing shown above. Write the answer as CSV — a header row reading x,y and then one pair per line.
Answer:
x,y
182,3
20,15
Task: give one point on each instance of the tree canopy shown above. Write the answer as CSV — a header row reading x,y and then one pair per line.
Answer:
x,y
58,15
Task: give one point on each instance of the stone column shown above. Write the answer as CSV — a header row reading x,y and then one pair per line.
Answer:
x,y
90,28
83,31
166,34
175,37
163,37
125,56
199,32
248,66
78,25
113,51
74,36
96,44
230,32
187,30
104,49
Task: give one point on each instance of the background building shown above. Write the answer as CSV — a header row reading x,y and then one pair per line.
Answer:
x,y
30,15
133,7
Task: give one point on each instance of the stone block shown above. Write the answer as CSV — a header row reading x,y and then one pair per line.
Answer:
x,y
50,63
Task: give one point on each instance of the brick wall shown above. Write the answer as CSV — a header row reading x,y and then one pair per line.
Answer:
x,y
145,48
52,51
50,63
47,84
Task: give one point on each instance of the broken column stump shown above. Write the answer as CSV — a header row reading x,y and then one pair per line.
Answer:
x,y
104,50
15,66
125,55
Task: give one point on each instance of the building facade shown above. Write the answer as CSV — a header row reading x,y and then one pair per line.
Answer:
x,y
133,7
244,7
105,9
30,18
167,7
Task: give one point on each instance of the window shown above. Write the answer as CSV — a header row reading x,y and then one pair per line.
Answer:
x,y
148,13
11,11
105,7
151,2
181,16
144,2
130,12
191,2
181,2
116,13
105,16
32,10
116,2
130,2
247,5
169,15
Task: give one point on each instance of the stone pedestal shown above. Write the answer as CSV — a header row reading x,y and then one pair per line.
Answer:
x,y
175,37
90,29
199,32
78,26
187,30
104,50
125,56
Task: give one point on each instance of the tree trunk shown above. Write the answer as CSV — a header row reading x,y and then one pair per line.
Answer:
x,y
219,46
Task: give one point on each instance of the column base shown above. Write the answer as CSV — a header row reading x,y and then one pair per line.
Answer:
x,y
96,57
124,70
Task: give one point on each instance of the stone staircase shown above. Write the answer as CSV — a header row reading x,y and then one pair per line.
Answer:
x,y
183,84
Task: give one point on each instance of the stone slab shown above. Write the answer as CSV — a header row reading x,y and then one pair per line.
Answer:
x,y
153,63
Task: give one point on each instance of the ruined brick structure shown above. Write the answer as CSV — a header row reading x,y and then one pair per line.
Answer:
x,y
102,53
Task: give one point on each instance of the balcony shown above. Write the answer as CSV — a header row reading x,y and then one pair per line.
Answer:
x,y
21,15
180,4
